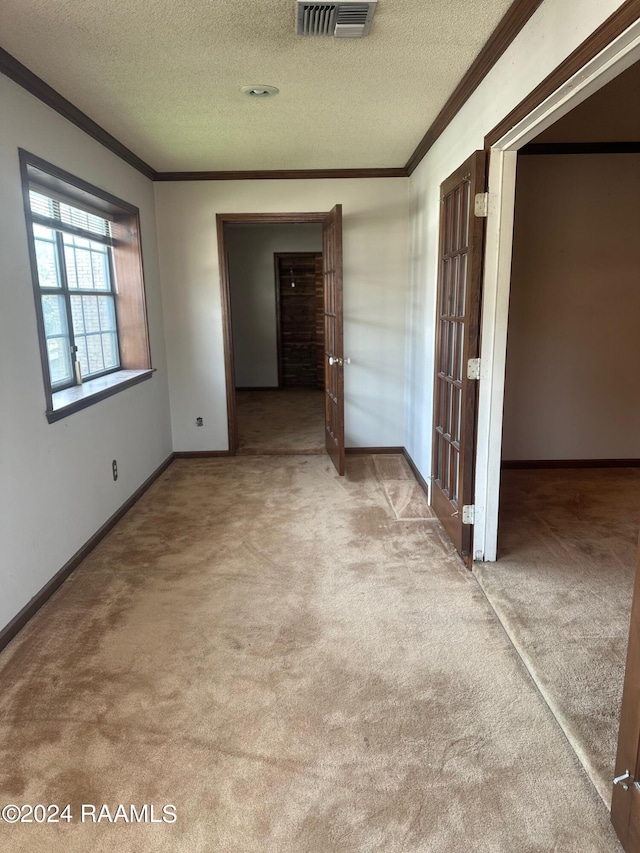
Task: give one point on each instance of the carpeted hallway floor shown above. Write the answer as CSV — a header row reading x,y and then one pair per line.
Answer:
x,y
297,668
280,421
562,587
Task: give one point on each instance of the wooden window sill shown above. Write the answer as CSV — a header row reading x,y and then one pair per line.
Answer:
x,y
81,396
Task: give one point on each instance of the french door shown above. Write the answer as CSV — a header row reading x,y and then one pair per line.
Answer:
x,y
625,803
333,339
457,348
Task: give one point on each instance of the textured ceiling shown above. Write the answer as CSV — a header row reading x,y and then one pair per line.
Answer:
x,y
610,115
163,76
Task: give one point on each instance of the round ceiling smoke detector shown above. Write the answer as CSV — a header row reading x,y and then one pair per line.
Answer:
x,y
258,90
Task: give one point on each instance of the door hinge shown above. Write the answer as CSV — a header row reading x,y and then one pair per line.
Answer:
x,y
481,206
473,368
469,514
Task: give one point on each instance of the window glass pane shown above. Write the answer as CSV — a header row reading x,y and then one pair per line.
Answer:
x,y
48,274
94,351
107,313
110,350
55,316
44,233
460,352
455,474
77,316
78,267
41,204
100,270
81,355
59,355
70,264
91,314
94,327
87,264
81,219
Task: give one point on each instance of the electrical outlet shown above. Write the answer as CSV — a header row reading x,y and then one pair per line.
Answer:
x,y
199,421
114,469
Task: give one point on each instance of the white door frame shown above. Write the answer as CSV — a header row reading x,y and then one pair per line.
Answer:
x,y
615,58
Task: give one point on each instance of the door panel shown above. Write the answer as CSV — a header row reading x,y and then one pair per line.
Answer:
x,y
625,803
333,342
457,341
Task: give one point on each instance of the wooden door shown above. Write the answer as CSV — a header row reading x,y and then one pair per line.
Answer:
x,y
457,341
298,315
625,803
333,341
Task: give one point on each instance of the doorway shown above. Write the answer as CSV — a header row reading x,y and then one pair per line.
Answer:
x,y
278,337
281,282
569,521
566,602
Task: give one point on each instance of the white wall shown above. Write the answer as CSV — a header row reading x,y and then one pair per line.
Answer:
x,y
56,487
553,32
253,294
571,386
375,288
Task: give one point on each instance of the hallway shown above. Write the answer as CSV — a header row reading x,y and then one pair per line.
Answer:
x,y
294,665
280,421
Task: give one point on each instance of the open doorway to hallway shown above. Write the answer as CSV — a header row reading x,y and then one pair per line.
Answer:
x,y
569,518
332,307
277,318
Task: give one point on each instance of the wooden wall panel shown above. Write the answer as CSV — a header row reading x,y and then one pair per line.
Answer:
x,y
319,323
298,320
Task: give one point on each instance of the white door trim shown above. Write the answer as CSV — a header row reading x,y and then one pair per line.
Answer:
x,y
615,58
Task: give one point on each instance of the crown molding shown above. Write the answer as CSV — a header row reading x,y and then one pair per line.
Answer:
x,y
511,24
21,75
282,174
627,14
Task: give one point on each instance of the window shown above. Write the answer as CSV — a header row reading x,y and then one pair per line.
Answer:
x,y
89,290
76,291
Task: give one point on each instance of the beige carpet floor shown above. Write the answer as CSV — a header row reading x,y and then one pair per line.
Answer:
x,y
280,422
274,651
562,587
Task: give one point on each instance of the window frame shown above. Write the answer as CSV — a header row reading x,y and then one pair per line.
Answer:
x,y
64,289
127,285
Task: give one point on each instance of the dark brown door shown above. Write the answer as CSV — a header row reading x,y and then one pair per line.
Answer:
x,y
457,341
333,342
625,804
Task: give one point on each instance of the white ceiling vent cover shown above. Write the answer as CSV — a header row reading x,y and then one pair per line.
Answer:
x,y
346,19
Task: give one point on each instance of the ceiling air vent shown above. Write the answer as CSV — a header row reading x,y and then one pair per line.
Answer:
x,y
346,19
